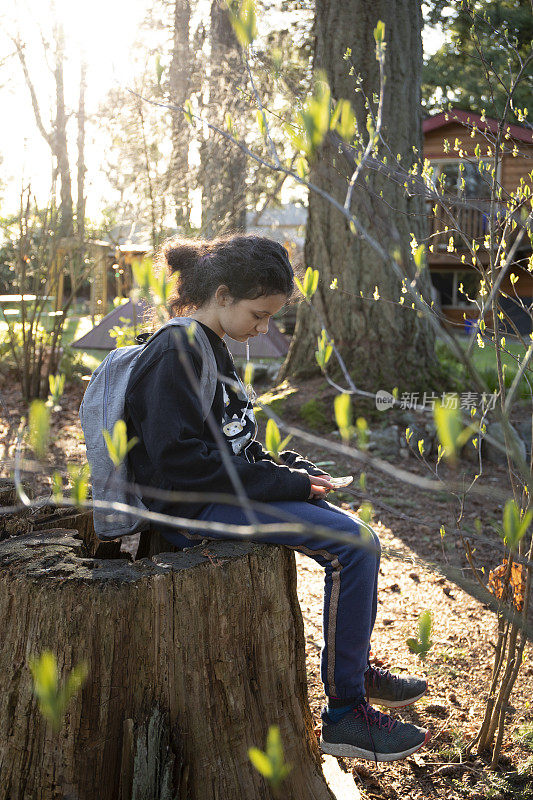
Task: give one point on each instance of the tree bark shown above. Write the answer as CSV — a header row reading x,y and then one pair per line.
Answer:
x,y
185,673
60,140
57,138
223,165
179,87
383,343
82,169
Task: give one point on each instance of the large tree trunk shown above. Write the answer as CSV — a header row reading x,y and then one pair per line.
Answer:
x,y
60,139
56,139
223,165
179,87
82,169
191,657
383,344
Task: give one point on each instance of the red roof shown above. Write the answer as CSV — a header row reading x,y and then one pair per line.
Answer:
x,y
471,118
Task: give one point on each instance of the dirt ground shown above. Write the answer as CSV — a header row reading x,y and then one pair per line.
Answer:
x,y
458,666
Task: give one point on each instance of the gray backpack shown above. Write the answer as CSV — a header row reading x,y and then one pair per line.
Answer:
x,y
103,405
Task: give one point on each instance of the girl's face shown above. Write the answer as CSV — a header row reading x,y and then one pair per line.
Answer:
x,y
241,319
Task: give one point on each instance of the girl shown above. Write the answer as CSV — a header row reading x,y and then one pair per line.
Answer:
x,y
231,286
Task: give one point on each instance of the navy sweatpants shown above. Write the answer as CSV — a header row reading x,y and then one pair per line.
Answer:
x,y
350,584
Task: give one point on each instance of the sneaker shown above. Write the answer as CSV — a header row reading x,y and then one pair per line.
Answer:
x,y
366,733
393,691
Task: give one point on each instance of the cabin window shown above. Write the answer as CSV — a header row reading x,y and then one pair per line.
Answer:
x,y
454,285
477,181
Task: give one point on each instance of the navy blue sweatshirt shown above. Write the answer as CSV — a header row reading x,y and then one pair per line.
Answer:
x,y
176,448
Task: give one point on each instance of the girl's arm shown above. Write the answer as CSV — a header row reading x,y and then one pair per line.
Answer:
x,y
289,457
166,415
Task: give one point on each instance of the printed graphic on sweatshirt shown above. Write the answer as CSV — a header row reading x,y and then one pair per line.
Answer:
x,y
238,423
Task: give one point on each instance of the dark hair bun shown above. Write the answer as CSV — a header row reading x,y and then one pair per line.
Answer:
x,y
250,266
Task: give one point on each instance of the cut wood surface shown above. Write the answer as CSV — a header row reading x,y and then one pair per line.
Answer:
x,y
191,655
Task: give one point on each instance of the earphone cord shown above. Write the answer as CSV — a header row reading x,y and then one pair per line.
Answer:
x,y
250,396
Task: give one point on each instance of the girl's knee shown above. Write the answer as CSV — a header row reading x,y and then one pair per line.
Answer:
x,y
367,539
367,534
363,554
377,543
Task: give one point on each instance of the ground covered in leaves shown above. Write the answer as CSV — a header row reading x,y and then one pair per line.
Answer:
x,y
412,578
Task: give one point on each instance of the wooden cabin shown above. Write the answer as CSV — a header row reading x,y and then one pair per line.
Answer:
x,y
112,274
448,143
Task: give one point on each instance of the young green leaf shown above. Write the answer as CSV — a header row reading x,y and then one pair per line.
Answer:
x,y
343,415
423,643
365,512
272,439
343,120
302,168
313,120
362,433
249,374
515,524
271,764
424,628
57,387
142,273
228,120
161,288
191,331
117,443
418,256
283,444
39,422
379,32
261,762
73,683
325,348
449,428
188,111
310,283
52,698
260,116
274,748
79,476
243,19
57,487
159,69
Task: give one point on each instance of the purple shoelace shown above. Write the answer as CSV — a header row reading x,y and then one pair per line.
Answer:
x,y
374,717
376,675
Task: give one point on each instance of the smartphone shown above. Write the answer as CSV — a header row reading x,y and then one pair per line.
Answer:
x,y
340,483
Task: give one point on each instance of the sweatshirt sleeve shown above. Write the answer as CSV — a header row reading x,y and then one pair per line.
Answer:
x,y
167,416
290,458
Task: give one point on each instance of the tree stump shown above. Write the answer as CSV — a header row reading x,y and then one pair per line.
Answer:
x,y
191,655
12,523
152,542
82,522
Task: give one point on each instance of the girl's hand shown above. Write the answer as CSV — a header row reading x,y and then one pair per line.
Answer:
x,y
320,486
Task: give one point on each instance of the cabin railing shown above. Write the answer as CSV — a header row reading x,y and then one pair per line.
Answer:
x,y
470,216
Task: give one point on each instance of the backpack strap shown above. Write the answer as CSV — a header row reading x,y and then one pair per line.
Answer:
x,y
208,378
